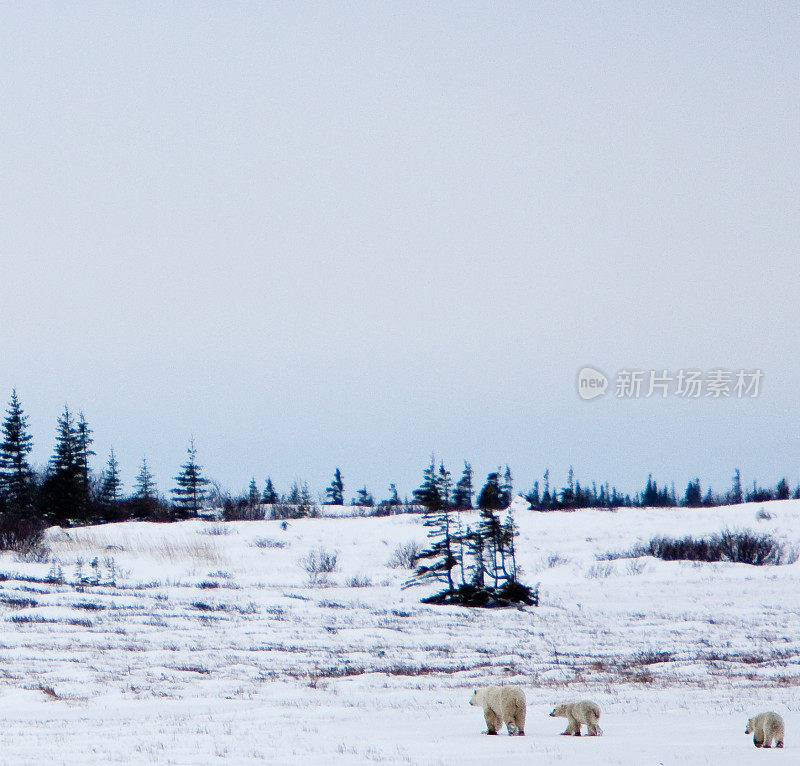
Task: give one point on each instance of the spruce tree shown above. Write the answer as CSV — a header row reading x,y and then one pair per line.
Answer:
x,y
190,493
490,530
300,498
650,496
547,499
111,491
568,492
65,494
507,488
736,495
694,495
145,485
462,495
533,497
16,476
491,548
510,534
83,442
363,498
445,485
477,549
335,492
270,496
253,495
491,496
306,501
438,560
428,492
295,496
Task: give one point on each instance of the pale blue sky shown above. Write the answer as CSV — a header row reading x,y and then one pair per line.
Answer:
x,y
350,234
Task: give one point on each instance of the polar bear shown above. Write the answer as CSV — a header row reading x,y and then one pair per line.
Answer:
x,y
502,705
578,713
766,728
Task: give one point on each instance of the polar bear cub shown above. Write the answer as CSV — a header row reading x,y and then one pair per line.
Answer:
x,y
502,705
766,729
577,713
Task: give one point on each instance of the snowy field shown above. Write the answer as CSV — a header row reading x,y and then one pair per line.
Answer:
x,y
202,642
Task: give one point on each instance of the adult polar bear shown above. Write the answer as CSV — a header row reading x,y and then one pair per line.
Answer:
x,y
502,705
766,729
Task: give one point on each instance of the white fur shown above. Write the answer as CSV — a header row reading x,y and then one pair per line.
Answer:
x,y
766,728
584,713
502,705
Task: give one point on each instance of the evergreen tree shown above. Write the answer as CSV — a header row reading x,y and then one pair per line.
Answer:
x,y
581,496
476,549
364,498
547,499
444,485
16,476
736,496
650,495
760,494
295,496
694,495
65,494
253,496
507,488
490,530
270,496
568,492
306,501
533,497
190,493
300,497
394,498
493,569
111,491
428,494
783,492
438,560
510,534
494,544
145,488
462,495
335,492
491,496
83,443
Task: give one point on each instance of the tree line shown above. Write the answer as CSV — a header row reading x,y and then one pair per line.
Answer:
x,y
67,491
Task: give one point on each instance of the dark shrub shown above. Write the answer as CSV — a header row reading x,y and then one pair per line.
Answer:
x,y
751,548
739,547
510,594
242,511
20,532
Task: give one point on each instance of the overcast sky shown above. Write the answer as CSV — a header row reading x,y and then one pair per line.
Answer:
x,y
352,234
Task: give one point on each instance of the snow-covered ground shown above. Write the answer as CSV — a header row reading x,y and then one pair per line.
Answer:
x,y
212,646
